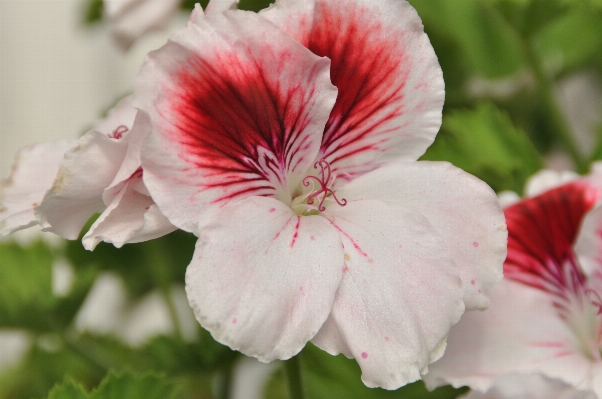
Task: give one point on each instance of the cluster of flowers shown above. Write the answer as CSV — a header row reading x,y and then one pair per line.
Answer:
x,y
286,142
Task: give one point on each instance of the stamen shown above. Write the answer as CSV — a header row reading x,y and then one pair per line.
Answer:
x,y
119,132
324,182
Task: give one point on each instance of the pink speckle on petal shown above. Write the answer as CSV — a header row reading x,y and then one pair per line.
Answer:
x,y
472,282
400,246
387,339
475,244
345,269
479,291
300,288
272,210
313,238
233,321
364,355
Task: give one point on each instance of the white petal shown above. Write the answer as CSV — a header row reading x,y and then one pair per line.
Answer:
x,y
131,19
263,279
31,176
391,87
399,296
520,333
76,193
531,386
131,217
461,208
216,6
233,114
546,179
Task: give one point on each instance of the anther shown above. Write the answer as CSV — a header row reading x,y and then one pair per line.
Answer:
x,y
119,132
324,182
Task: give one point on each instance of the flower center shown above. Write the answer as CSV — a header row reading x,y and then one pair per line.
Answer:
x,y
320,191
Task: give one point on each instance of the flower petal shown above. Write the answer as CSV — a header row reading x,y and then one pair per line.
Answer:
x,y
131,19
542,231
462,209
263,279
216,6
31,176
531,386
399,296
506,339
76,193
130,217
391,88
237,108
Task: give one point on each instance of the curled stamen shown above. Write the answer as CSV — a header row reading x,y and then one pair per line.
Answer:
x,y
595,299
324,182
119,132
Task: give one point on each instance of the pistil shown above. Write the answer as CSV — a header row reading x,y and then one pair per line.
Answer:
x,y
324,184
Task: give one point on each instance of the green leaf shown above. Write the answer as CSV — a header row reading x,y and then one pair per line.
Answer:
x,y
489,43
143,266
120,386
484,143
571,40
336,377
93,11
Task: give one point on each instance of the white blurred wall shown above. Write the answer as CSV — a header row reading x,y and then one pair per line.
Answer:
x,y
57,76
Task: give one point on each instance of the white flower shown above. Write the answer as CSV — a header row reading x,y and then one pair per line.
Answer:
x,y
314,220
546,316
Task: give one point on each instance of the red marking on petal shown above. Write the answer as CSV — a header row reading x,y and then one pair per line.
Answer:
x,y
312,237
233,321
345,269
355,245
242,128
364,355
272,210
472,282
541,234
363,60
475,244
547,344
296,233
387,339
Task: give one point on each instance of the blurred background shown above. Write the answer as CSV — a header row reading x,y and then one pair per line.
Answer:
x,y
523,92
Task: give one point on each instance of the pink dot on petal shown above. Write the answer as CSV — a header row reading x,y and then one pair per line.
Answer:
x,y
472,282
364,355
272,210
475,244
300,288
479,291
387,339
313,238
233,321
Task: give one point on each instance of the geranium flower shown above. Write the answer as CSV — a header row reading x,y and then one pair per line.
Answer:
x,y
546,316
61,185
32,174
314,221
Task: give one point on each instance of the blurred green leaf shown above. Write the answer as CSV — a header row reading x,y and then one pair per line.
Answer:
x,y
484,143
120,386
93,11
488,42
336,377
572,39
143,266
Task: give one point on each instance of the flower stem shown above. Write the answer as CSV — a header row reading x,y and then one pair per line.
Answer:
x,y
292,370
545,85
224,382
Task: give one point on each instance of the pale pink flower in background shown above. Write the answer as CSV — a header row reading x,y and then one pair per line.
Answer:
x,y
314,220
546,316
61,185
32,174
131,19
530,386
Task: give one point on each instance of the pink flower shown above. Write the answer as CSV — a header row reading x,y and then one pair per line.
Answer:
x,y
314,221
61,185
546,316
